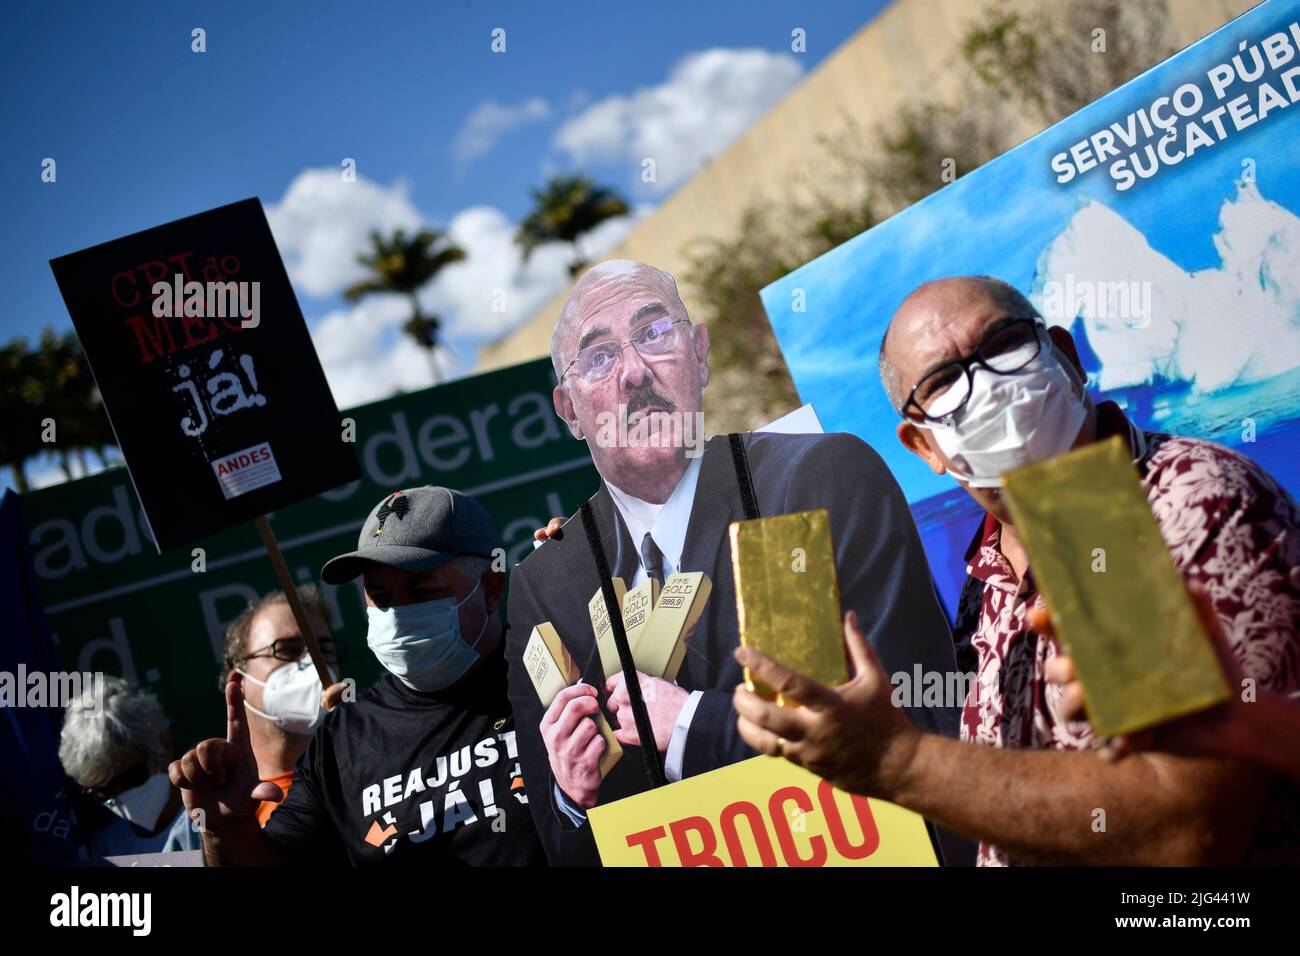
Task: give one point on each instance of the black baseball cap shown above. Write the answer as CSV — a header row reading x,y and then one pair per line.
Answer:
x,y
417,529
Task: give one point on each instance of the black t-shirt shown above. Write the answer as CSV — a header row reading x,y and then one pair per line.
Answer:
x,y
401,776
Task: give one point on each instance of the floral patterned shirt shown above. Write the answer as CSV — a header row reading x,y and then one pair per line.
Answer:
x,y
1230,528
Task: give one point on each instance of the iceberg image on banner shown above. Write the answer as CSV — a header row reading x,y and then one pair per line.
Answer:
x,y
1182,291
1188,352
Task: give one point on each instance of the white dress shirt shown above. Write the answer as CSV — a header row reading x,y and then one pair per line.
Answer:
x,y
666,524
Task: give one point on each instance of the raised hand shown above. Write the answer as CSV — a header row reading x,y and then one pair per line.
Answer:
x,y
219,776
851,735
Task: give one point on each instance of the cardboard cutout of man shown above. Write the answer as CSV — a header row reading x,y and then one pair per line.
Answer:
x,y
624,347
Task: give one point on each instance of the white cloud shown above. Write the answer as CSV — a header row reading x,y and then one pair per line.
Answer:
x,y
347,333
363,350
494,274
323,222
366,355
489,122
708,99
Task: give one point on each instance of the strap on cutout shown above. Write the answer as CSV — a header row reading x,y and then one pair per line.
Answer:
x,y
645,730
740,461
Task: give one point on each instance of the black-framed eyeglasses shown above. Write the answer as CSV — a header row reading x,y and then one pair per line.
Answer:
x,y
652,340
293,649
1006,348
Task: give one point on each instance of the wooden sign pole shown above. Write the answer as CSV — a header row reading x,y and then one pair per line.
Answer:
x,y
295,605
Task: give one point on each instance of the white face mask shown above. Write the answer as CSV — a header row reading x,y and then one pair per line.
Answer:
x,y
1010,420
420,644
291,696
143,805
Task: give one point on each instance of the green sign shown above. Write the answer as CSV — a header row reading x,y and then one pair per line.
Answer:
x,y
117,606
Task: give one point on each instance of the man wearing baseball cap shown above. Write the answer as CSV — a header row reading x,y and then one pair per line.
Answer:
x,y
423,766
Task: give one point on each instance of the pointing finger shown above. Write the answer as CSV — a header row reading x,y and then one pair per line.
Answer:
x,y
236,722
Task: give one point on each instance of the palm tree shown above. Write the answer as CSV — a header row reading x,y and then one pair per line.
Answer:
x,y
566,208
403,265
50,381
83,423
52,387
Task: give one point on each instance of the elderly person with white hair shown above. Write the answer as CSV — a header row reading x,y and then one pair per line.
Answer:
x,y
115,745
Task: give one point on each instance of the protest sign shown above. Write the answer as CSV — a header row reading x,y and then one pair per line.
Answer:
x,y
760,812
176,858
207,371
1158,225
116,606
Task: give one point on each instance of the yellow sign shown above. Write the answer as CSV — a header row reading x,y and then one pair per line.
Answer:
x,y
760,812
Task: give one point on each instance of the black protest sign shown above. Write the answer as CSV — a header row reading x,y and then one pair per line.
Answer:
x,y
207,370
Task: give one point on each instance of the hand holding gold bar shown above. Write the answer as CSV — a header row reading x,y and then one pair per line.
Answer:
x,y
788,597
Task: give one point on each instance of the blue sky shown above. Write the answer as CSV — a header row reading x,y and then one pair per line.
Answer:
x,y
145,131
1229,292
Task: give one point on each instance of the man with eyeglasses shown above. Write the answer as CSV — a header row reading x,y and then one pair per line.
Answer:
x,y
282,691
983,387
421,769
625,350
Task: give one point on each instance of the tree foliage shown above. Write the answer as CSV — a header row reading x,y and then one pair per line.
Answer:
x,y
564,210
400,264
50,384
1015,68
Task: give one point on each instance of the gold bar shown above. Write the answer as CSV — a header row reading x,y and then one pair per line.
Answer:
x,y
609,662
637,605
552,669
613,750
1118,604
661,646
788,597
548,663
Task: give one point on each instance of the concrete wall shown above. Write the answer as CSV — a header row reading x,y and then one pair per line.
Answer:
x,y
904,52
